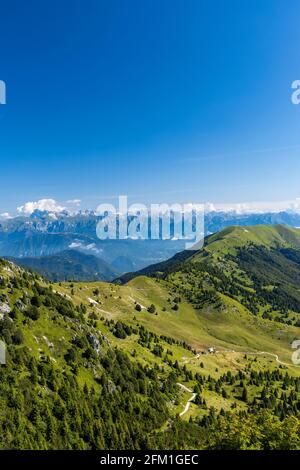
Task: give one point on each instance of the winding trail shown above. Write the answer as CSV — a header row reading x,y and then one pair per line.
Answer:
x,y
187,406
192,398
269,354
188,361
273,355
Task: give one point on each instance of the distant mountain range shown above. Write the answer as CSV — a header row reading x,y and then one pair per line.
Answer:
x,y
45,234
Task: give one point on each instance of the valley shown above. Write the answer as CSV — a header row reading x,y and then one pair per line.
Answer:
x,y
38,239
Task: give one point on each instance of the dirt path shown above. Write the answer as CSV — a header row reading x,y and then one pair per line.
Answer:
x,y
192,398
269,354
188,404
273,355
248,353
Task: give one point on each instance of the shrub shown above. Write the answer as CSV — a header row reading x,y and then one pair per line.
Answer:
x,y
152,308
33,313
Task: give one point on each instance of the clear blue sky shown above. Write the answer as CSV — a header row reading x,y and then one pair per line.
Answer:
x,y
164,100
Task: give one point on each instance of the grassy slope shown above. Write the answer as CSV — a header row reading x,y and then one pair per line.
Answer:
x,y
271,236
232,329
233,332
50,336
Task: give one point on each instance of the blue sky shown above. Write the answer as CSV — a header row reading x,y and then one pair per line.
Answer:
x,y
162,100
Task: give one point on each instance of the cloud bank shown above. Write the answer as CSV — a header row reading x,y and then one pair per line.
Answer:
x,y
255,207
74,202
49,205
52,206
5,216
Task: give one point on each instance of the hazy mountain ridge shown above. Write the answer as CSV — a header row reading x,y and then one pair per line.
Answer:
x,y
44,234
69,265
85,223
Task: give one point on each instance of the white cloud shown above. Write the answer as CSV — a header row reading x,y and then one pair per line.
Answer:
x,y
5,216
254,207
76,245
42,204
92,247
74,202
89,247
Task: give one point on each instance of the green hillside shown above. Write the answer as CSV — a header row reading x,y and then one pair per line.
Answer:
x,y
259,267
69,265
228,241
94,365
270,236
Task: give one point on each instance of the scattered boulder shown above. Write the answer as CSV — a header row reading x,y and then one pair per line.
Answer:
x,y
19,304
49,344
4,308
94,342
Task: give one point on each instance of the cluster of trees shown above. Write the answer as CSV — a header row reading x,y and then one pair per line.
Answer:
x,y
261,279
272,390
276,267
44,407
121,330
269,421
229,431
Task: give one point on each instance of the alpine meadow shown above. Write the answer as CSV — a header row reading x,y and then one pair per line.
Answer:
x,y
193,353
